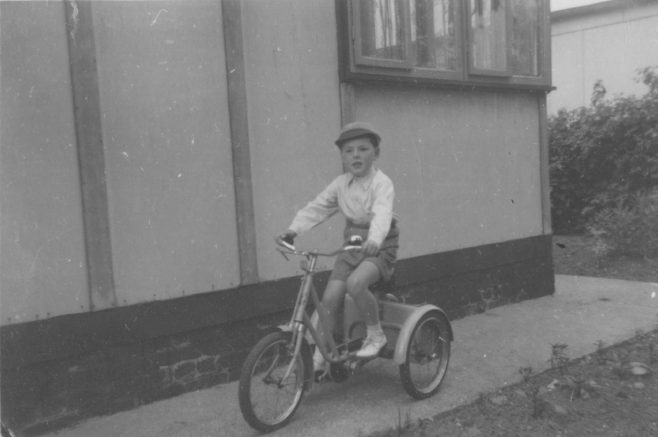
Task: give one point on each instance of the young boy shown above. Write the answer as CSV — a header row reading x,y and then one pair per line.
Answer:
x,y
365,197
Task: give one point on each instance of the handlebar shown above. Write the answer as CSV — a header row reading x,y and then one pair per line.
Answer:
x,y
286,248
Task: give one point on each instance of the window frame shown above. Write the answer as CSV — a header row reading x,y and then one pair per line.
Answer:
x,y
364,60
353,70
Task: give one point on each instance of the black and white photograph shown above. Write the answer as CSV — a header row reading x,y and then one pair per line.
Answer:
x,y
321,218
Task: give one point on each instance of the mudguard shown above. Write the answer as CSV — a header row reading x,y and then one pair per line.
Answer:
x,y
404,337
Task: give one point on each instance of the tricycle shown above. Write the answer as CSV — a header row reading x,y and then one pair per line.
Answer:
x,y
279,368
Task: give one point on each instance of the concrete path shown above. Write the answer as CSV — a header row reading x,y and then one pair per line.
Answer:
x,y
487,353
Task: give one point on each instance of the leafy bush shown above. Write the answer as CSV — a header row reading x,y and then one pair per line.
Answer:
x,y
630,231
604,156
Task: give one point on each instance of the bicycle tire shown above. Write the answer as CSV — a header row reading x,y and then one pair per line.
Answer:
x,y
265,402
428,355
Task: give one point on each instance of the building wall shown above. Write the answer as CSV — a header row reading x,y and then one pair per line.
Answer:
x,y
430,148
167,146
467,164
42,258
601,42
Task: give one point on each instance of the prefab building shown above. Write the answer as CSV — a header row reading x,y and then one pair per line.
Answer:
x,y
607,41
151,150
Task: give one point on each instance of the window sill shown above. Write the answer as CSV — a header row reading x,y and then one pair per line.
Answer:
x,y
510,84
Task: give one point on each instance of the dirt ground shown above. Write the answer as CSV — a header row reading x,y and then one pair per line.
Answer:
x,y
573,255
612,392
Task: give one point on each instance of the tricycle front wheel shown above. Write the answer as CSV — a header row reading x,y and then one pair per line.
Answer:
x,y
269,397
427,356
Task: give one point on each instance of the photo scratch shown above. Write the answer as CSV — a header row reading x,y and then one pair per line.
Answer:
x,y
155,20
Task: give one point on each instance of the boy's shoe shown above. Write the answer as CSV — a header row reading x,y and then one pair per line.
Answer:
x,y
371,346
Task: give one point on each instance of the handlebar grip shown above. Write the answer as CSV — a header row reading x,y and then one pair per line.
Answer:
x,y
288,242
289,239
287,245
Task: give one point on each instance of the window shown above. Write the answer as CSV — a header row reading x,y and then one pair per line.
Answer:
x,y
488,36
504,37
433,34
488,42
384,33
526,14
409,35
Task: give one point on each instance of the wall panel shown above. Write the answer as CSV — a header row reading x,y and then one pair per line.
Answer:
x,y
166,133
465,165
42,259
294,115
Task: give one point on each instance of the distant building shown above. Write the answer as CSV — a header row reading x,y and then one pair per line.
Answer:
x,y
605,41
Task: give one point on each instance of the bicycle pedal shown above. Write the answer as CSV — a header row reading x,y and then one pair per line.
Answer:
x,y
356,363
321,376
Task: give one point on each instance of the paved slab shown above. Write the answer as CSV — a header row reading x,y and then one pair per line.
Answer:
x,y
488,351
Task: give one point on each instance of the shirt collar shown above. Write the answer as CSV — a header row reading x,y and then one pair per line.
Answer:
x,y
364,181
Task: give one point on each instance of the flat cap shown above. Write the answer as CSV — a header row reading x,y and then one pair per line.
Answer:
x,y
357,129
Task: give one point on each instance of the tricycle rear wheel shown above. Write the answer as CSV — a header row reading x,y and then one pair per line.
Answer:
x,y
428,354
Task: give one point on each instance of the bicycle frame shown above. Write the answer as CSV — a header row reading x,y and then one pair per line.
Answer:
x,y
300,323
401,317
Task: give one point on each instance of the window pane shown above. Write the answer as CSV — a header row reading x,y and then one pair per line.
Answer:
x,y
525,40
382,29
489,34
478,42
433,33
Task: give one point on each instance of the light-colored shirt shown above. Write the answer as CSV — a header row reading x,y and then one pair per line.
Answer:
x,y
364,201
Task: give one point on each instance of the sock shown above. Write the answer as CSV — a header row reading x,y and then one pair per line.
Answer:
x,y
317,356
374,330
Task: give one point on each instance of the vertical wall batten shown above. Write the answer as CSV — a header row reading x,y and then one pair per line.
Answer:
x,y
347,105
544,165
238,119
91,158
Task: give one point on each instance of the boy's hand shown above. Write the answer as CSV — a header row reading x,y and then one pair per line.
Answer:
x,y
287,237
370,248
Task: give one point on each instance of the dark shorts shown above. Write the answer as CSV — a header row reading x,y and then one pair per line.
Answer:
x,y
347,262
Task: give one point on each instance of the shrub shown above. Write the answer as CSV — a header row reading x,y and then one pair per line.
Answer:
x,y
630,231
603,156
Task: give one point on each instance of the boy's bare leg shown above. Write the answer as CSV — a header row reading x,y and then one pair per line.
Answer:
x,y
365,275
332,301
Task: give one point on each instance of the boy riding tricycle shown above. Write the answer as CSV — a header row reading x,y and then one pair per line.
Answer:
x,y
285,363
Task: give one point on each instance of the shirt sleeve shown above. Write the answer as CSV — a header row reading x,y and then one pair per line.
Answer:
x,y
382,210
317,210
